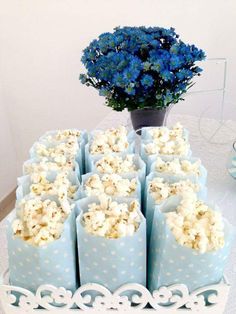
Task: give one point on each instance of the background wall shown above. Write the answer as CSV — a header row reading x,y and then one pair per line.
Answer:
x,y
41,43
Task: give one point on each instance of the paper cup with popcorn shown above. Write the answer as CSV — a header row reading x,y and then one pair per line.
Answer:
x,y
121,164
68,135
42,247
159,187
111,242
190,244
35,165
176,149
113,185
189,168
114,140
65,185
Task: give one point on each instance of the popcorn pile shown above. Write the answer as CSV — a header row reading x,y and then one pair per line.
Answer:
x,y
61,186
178,166
160,189
111,219
68,150
63,135
110,184
60,163
109,141
39,222
168,141
196,226
116,164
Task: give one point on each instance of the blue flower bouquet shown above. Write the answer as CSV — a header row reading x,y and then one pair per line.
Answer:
x,y
140,67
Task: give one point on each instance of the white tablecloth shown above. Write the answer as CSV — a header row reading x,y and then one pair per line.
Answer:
x,y
222,188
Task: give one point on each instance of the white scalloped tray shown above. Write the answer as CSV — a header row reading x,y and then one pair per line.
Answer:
x,y
140,300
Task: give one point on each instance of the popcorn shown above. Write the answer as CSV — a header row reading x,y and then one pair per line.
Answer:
x,y
116,164
111,140
163,134
160,190
39,222
167,141
67,149
61,186
111,219
196,226
178,167
63,135
58,164
110,184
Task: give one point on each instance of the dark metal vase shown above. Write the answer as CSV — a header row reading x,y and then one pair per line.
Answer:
x,y
148,117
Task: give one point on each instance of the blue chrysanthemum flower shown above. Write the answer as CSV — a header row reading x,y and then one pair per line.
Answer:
x,y
147,80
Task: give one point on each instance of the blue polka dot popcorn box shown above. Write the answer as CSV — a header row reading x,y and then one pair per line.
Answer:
x,y
54,264
170,263
201,178
150,204
33,165
50,136
148,158
111,262
25,182
137,161
131,137
135,194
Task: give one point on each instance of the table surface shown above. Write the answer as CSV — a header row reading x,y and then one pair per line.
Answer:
x,y
214,157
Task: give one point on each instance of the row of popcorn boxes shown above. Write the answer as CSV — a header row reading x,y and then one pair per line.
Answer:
x,y
114,233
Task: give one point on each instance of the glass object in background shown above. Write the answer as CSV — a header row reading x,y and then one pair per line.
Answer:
x,y
232,161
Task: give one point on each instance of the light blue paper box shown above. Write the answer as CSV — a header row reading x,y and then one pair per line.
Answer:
x,y
25,182
136,194
88,157
170,263
149,202
82,140
111,262
146,136
202,178
138,162
37,161
149,158
54,264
